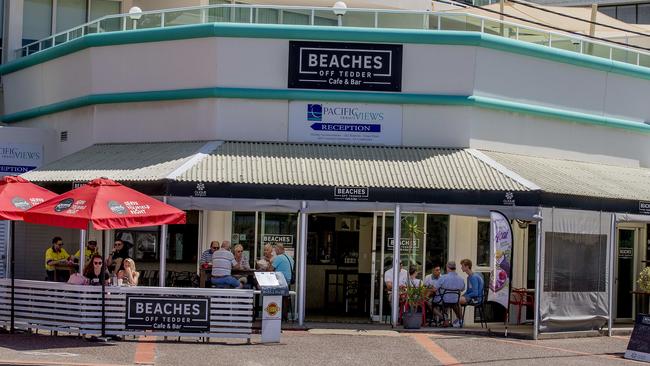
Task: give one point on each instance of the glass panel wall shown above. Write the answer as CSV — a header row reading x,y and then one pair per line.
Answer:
x,y
37,20
70,13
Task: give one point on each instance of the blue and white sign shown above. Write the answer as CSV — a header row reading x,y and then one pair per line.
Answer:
x,y
17,159
345,123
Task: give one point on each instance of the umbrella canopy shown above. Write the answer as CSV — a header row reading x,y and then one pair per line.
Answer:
x,y
107,204
17,195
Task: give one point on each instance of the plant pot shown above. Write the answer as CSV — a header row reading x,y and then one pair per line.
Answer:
x,y
412,320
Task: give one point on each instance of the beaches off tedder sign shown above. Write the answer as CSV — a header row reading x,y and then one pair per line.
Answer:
x,y
345,66
185,314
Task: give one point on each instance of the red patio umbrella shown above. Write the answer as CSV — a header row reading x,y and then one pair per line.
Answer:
x,y
16,196
107,205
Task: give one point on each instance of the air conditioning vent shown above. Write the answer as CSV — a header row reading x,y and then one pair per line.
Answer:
x,y
64,136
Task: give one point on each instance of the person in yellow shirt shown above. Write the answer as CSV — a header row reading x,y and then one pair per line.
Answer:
x,y
91,249
57,256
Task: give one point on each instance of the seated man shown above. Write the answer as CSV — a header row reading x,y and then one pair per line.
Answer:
x,y
222,262
91,249
474,294
206,257
57,256
451,281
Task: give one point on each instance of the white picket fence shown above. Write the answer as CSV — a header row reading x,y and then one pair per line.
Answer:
x,y
78,309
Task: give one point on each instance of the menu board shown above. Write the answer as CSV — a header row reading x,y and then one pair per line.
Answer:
x,y
639,346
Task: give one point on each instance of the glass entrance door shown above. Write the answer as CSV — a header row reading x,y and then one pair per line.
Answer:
x,y
625,270
412,249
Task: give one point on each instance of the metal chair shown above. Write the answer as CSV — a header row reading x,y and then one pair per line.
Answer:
x,y
520,297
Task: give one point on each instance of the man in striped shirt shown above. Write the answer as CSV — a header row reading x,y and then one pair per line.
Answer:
x,y
222,262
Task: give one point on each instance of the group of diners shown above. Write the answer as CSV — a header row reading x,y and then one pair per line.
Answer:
x,y
442,289
119,266
221,261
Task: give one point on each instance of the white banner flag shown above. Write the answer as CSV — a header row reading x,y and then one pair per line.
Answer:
x,y
500,258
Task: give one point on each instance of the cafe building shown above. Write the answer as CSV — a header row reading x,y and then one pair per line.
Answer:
x,y
316,127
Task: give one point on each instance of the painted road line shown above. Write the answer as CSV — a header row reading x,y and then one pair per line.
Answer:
x,y
145,351
440,354
52,363
606,356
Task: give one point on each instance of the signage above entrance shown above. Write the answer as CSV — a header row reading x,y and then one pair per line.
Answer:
x,y
644,207
347,123
405,244
345,66
351,193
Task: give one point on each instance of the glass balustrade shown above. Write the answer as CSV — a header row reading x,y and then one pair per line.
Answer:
x,y
365,18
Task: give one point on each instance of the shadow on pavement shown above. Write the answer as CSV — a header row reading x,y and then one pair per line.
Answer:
x,y
31,342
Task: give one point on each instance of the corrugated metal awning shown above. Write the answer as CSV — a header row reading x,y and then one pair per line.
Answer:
x,y
122,162
348,165
579,178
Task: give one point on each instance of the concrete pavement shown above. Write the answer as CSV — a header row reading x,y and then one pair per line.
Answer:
x,y
316,347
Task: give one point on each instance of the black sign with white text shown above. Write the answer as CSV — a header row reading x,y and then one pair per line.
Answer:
x,y
351,193
644,207
639,346
178,314
345,66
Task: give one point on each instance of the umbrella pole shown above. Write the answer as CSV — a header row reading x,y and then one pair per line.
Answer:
x,y
104,245
12,230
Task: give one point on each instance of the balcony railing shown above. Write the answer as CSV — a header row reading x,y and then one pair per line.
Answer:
x,y
366,18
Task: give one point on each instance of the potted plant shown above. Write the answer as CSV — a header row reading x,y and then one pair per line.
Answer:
x,y
413,230
414,298
644,280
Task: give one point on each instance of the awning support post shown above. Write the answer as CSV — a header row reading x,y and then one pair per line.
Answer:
x,y
82,251
610,264
397,240
538,274
162,273
302,260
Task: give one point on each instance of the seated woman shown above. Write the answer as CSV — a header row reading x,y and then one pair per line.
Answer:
x,y
413,280
242,263
129,275
93,271
265,263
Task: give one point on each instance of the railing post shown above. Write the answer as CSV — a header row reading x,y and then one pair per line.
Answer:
x,y
162,20
638,62
312,17
439,21
203,15
482,25
250,15
611,52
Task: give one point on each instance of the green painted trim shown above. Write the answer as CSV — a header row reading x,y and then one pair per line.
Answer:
x,y
331,96
275,31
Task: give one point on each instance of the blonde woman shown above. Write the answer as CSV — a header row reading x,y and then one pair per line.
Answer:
x,y
129,275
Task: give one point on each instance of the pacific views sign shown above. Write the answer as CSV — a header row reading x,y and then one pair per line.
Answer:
x,y
345,66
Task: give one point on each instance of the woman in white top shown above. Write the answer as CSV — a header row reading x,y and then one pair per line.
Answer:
x,y
413,281
129,275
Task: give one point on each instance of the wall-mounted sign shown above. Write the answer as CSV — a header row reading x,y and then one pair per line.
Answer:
x,y
625,253
644,207
179,314
345,66
19,158
639,346
345,123
286,240
405,244
351,193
